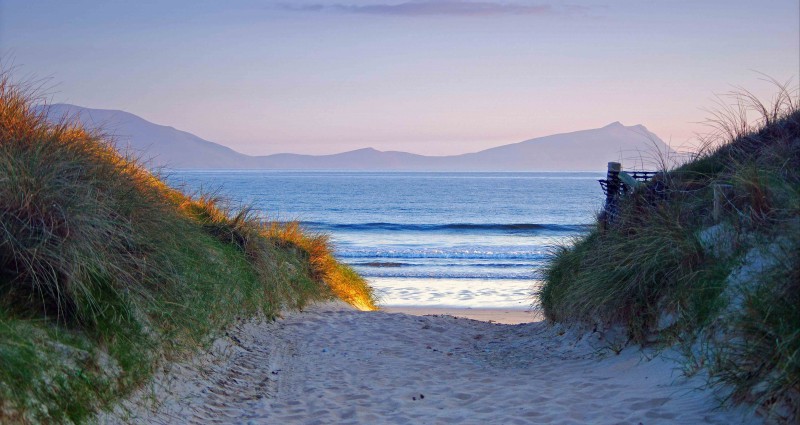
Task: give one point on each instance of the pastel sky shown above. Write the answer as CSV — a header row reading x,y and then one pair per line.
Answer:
x,y
428,76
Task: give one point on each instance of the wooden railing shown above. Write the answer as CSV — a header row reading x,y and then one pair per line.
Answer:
x,y
617,184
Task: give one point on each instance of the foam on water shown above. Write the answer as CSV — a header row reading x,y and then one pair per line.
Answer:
x,y
476,253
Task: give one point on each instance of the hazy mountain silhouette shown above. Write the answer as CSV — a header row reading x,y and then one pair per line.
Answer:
x,y
586,150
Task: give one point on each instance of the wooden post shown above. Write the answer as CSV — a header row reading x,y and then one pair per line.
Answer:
x,y
721,192
612,190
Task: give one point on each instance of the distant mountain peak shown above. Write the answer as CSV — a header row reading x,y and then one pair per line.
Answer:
x,y
164,146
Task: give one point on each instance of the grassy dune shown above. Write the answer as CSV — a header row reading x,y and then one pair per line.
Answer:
x,y
105,271
725,288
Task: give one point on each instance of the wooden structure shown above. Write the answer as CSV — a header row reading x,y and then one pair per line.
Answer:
x,y
617,184
722,192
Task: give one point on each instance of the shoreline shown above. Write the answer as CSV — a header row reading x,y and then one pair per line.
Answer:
x,y
506,316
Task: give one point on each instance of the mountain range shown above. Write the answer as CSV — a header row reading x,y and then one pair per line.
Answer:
x,y
162,146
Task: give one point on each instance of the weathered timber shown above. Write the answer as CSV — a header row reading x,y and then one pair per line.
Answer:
x,y
617,184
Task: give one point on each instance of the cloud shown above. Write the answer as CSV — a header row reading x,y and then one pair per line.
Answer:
x,y
431,8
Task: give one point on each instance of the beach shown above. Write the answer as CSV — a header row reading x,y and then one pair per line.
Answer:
x,y
331,364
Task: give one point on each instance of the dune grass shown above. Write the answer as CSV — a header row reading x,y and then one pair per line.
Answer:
x,y
669,271
343,281
105,271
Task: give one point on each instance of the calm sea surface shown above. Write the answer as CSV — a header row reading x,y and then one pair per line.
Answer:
x,y
433,239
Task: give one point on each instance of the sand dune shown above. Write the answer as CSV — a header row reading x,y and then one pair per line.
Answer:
x,y
333,365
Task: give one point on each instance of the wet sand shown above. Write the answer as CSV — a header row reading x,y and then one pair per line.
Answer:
x,y
506,316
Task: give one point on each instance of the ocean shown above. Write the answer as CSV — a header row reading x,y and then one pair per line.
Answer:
x,y
425,239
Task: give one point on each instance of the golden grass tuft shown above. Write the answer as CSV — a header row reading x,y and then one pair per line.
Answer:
x,y
345,283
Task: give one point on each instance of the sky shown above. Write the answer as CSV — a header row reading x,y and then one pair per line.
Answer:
x,y
433,77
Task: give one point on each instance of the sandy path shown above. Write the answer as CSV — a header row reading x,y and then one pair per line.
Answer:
x,y
332,365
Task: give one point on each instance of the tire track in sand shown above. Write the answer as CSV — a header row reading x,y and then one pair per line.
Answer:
x,y
333,365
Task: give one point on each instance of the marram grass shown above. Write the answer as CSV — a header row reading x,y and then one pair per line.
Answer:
x,y
105,271
343,281
670,272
